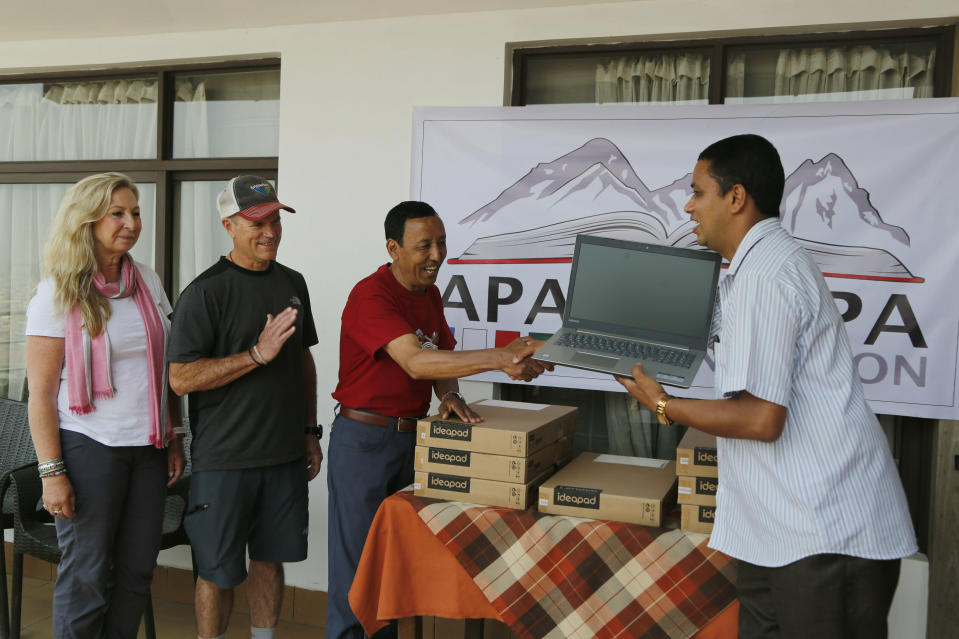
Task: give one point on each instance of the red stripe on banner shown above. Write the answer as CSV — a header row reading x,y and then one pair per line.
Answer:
x,y
505,337
876,278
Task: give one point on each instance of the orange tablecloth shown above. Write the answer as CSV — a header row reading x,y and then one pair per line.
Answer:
x,y
406,571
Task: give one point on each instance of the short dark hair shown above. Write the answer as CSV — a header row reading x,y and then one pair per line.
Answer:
x,y
750,160
395,224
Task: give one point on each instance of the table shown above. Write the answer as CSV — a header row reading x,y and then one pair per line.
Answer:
x,y
545,576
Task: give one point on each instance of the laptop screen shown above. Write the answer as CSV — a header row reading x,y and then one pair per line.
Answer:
x,y
647,290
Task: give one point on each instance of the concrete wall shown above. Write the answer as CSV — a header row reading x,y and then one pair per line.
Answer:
x,y
347,93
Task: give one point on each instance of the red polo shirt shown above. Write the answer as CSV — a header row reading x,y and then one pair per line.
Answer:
x,y
378,311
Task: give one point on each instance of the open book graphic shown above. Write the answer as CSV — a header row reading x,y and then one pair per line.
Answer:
x,y
556,242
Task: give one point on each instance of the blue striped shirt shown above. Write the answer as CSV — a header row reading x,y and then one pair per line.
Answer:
x,y
829,483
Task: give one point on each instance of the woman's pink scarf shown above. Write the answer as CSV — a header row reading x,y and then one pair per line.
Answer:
x,y
88,364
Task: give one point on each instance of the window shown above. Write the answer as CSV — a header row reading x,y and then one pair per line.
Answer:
x,y
859,71
179,132
104,119
882,64
226,115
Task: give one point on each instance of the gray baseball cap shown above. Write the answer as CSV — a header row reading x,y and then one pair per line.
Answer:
x,y
249,196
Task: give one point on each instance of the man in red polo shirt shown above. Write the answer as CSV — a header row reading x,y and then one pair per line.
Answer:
x,y
396,349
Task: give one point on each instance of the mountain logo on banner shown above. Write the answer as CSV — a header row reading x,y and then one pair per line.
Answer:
x,y
594,190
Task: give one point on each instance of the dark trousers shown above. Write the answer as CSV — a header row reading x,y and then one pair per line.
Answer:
x,y
365,465
109,548
821,596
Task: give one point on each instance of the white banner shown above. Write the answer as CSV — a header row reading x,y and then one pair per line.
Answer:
x,y
870,192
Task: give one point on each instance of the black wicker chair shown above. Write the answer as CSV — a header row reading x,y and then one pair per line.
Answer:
x,y
35,535
174,510
16,450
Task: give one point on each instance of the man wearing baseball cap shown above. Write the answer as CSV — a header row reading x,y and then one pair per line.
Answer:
x,y
239,345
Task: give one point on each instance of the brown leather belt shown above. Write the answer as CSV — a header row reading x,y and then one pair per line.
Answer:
x,y
402,424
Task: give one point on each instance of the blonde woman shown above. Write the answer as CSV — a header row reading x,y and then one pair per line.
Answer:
x,y
99,414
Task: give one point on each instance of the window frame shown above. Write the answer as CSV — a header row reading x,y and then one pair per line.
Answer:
x,y
162,170
518,54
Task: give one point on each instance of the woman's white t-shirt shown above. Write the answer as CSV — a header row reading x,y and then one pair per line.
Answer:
x,y
124,419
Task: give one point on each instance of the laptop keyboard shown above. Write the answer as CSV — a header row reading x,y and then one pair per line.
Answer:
x,y
626,348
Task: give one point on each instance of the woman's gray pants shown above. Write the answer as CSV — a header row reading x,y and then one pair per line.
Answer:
x,y
110,547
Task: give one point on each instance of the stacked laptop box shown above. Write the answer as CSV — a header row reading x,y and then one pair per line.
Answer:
x,y
500,461
634,490
698,475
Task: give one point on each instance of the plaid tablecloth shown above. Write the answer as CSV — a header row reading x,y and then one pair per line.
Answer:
x,y
553,577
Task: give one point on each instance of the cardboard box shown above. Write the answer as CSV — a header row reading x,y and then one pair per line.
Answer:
x,y
519,470
635,490
696,455
516,429
697,490
698,518
477,491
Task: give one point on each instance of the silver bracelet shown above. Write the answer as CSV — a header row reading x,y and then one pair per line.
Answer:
x,y
259,356
52,468
51,465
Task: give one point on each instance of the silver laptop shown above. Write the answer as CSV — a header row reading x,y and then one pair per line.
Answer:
x,y
630,302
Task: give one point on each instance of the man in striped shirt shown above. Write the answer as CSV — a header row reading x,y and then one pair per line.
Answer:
x,y
809,498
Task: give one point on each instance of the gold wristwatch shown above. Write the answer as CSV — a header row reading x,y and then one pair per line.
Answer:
x,y
661,410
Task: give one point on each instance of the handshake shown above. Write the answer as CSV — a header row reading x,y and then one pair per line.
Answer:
x,y
517,359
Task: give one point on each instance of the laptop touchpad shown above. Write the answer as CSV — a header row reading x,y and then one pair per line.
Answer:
x,y
594,360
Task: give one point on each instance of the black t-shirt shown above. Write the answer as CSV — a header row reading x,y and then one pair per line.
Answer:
x,y
258,418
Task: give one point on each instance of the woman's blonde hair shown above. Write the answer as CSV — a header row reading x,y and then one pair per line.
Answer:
x,y
69,256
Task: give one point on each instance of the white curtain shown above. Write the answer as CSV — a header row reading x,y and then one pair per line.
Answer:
x,y
735,76
23,234
200,238
866,71
220,120
664,77
191,131
104,120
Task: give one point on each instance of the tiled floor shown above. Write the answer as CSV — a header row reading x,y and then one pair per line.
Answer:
x,y
174,620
